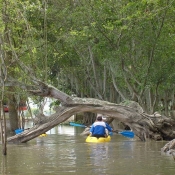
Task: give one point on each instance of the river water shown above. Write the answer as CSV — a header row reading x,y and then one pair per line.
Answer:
x,y
63,151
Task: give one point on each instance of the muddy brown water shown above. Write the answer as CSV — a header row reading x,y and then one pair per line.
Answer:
x,y
63,151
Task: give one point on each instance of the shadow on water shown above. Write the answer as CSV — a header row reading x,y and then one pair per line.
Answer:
x,y
63,151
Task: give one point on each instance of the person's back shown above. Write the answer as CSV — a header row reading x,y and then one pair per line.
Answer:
x,y
98,128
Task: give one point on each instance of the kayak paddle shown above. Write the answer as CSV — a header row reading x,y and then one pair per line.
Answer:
x,y
76,124
126,133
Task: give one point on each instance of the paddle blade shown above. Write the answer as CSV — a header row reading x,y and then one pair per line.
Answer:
x,y
111,133
129,134
76,124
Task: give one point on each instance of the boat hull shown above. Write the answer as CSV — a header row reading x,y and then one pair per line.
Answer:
x,y
43,135
98,140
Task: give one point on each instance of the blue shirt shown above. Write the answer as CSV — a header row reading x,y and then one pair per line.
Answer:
x,y
99,128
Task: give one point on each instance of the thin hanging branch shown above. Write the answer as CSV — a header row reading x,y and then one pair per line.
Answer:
x,y
45,38
3,77
114,83
94,71
104,80
151,57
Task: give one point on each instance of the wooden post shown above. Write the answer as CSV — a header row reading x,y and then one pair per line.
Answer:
x,y
3,129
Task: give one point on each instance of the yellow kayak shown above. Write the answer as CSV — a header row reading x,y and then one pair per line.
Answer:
x,y
98,140
43,135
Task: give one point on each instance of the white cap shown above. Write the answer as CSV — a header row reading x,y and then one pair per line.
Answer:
x,y
104,118
99,115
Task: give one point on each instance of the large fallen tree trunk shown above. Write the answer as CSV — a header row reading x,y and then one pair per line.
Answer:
x,y
144,126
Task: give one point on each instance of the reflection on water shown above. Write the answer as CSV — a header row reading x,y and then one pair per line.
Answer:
x,y
63,151
66,130
98,154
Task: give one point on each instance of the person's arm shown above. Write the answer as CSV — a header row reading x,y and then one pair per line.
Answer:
x,y
108,127
91,130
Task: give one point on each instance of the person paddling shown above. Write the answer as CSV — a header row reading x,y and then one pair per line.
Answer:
x,y
98,128
108,129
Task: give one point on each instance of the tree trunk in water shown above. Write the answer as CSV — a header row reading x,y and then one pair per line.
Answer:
x,y
88,118
144,126
13,114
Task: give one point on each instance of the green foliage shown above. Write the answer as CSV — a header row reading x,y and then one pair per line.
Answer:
x,y
54,103
58,40
35,111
